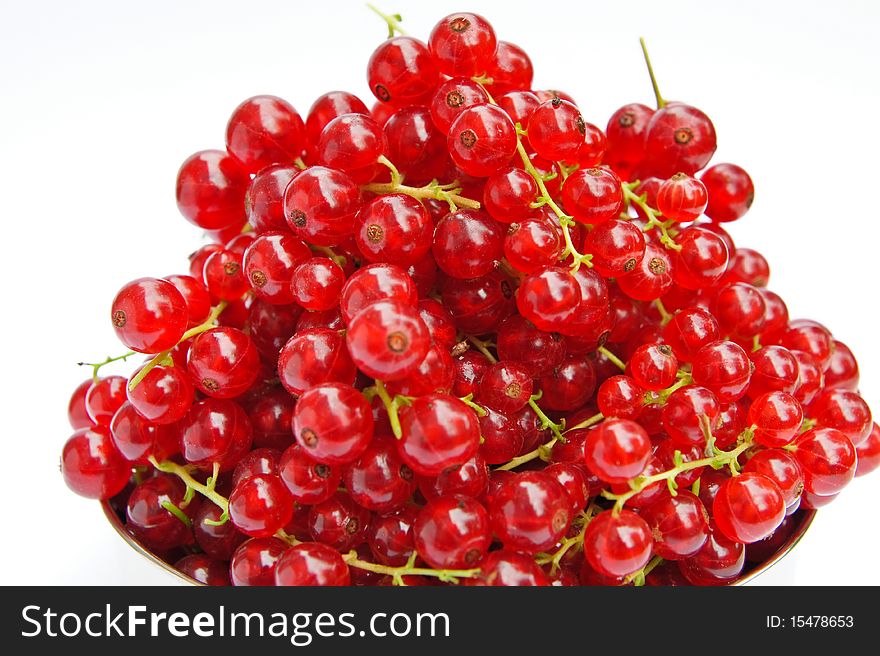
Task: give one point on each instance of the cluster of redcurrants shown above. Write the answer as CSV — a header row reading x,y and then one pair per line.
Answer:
x,y
535,373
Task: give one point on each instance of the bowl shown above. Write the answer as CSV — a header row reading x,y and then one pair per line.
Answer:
x,y
114,511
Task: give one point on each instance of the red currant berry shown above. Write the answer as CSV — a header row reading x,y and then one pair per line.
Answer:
x,y
391,536
842,371
530,512
617,247
506,387
509,194
203,569
376,282
223,276
718,562
313,357
260,506
689,330
678,137
439,431
845,411
217,540
316,284
777,418
519,106
163,396
401,71
783,469
467,243
626,138
463,44
748,507
378,480
470,479
827,458
223,362
548,298
147,517
810,337
724,368
149,315
689,413
653,366
211,186
776,369
532,244
269,263
749,266
196,296
215,431
617,544
312,564
682,198
556,130
254,562
339,522
573,479
593,195
652,276
320,205
621,397
731,192
439,323
679,524
617,450
452,532
739,308
388,340
92,466
104,398
470,367
538,351
394,228
329,106
702,260
352,143
265,130
452,97
333,423
77,414
481,140
309,482
868,453
510,568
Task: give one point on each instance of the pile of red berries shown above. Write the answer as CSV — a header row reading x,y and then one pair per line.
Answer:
x,y
466,337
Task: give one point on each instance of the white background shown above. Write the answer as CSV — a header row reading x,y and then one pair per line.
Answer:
x,y
101,101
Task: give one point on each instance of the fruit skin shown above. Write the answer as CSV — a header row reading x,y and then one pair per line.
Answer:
x,y
467,243
439,431
333,423
731,192
452,532
149,315
828,459
260,505
215,430
463,44
679,524
311,564
617,545
401,71
254,562
481,140
530,512
265,130
617,450
388,340
748,507
92,466
223,362
211,186
678,138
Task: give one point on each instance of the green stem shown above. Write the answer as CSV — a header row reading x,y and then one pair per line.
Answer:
x,y
586,423
660,102
157,359
665,317
300,164
393,21
448,193
546,422
340,260
652,215
638,578
476,407
183,473
391,408
397,573
620,364
177,512
717,461
482,347
659,398
543,452
96,366
576,541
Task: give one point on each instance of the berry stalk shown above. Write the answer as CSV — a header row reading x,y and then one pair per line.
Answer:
x,y
448,193
652,215
96,366
397,573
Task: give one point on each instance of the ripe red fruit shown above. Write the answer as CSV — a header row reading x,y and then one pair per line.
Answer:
x,y
748,507
730,190
678,138
320,205
481,140
828,459
679,524
211,187
439,431
260,505
724,368
682,198
593,195
223,362
311,564
530,512
452,532
92,466
556,130
149,315
333,423
617,544
265,130
463,45
394,228
617,450
388,340
401,71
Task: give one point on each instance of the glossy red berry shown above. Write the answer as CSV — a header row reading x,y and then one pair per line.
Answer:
x,y
223,276
530,512
452,97
827,458
264,202
260,505
748,265
617,450
570,385
439,431
730,190
401,71
313,357
718,562
689,330
352,143
452,532
316,284
593,195
617,247
394,228
842,371
845,411
378,480
739,308
679,524
682,198
77,414
702,260
308,481
653,366
223,362
748,507
149,315
510,568
339,522
391,536
621,397
549,298
388,340
776,369
211,186
868,453
782,468
689,414
91,464
678,138
215,431
376,282
724,368
777,418
333,423
481,140
269,263
508,195
617,544
626,138
467,244
320,205
254,562
312,564
463,45
265,130
329,106
258,461
104,398
810,337
163,396
217,540
149,520
651,277
556,130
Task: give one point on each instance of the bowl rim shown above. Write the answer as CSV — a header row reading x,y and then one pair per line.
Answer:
x,y
804,516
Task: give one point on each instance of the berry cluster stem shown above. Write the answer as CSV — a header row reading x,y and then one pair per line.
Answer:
x,y
205,489
555,427
586,423
569,543
482,347
652,215
96,366
620,364
660,102
638,578
391,407
717,460
159,358
448,193
392,20
397,573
